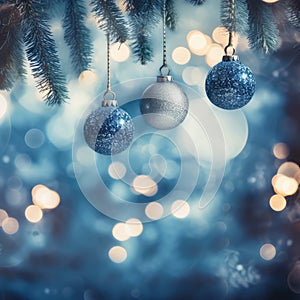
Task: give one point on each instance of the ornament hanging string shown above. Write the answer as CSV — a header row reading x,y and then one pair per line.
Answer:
x,y
164,65
232,29
108,93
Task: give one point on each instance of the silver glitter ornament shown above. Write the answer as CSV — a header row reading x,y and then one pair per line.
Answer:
x,y
230,84
164,105
108,130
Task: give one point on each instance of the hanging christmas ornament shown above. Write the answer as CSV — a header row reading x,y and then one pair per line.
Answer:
x,y
230,84
108,129
164,105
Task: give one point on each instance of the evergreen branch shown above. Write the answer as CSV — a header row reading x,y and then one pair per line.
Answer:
x,y
293,12
141,45
240,23
11,50
263,31
52,3
110,19
196,2
171,15
228,20
149,11
143,16
241,16
41,53
77,35
54,7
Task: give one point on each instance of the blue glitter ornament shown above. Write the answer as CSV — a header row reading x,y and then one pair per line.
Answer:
x,y
230,84
108,130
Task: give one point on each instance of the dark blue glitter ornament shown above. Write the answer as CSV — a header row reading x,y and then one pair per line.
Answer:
x,y
230,84
108,130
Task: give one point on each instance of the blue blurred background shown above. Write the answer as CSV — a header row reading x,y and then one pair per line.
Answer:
x,y
243,244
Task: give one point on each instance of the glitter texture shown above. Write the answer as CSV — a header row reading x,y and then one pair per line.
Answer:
x,y
164,105
230,85
108,130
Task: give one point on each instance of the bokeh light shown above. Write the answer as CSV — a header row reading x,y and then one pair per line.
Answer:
x,y
117,170
294,279
154,210
283,185
33,213
221,36
120,52
143,184
10,225
267,251
117,254
181,55
297,177
6,159
45,198
34,138
83,156
87,78
151,191
288,169
120,232
61,139
3,106
214,54
3,216
270,1
134,227
198,42
277,202
22,161
193,75
281,151
180,209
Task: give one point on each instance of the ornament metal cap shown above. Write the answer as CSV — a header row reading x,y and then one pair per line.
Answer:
x,y
230,58
162,78
108,103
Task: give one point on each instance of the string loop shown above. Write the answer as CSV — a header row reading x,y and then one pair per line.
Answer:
x,y
108,62
109,97
232,29
164,65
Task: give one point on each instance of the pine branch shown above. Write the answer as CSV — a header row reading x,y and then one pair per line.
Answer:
x,y
143,16
54,8
77,35
149,10
196,2
241,13
171,15
228,20
240,23
141,45
293,12
110,19
263,31
41,53
11,50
